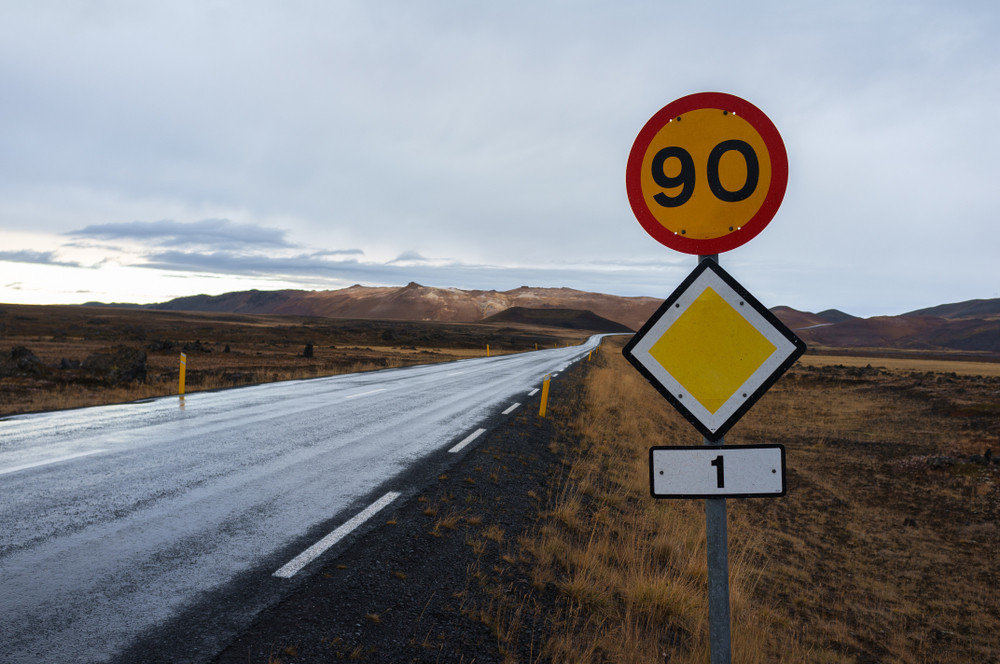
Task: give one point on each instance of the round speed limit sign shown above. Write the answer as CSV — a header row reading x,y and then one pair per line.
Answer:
x,y
706,173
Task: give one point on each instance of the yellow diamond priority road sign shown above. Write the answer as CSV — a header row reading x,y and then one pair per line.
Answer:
x,y
712,349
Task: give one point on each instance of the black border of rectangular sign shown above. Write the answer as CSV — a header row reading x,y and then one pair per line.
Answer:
x,y
784,486
709,264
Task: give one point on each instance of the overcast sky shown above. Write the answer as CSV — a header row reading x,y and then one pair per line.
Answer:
x,y
150,150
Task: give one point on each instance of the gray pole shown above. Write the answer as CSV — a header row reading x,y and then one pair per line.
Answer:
x,y
717,545
718,577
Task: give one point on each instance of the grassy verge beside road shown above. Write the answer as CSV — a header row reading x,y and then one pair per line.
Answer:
x,y
47,352
629,572
543,545
886,548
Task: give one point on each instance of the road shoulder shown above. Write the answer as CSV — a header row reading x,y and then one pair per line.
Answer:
x,y
440,575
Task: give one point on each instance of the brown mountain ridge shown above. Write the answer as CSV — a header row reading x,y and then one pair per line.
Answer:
x,y
969,327
573,319
416,302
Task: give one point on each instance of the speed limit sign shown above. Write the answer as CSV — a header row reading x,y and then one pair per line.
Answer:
x,y
706,173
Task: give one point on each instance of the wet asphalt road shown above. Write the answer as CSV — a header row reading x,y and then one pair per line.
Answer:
x,y
166,520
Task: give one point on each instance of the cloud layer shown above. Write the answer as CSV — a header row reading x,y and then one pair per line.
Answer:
x,y
457,143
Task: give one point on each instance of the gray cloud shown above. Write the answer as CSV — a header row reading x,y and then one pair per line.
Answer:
x,y
409,257
317,269
499,133
337,252
221,233
40,257
226,262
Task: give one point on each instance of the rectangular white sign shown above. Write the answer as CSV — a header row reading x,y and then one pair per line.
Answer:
x,y
717,471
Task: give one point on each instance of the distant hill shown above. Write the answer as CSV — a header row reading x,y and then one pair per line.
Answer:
x,y
240,302
835,316
907,332
416,302
798,320
972,326
967,309
804,320
573,319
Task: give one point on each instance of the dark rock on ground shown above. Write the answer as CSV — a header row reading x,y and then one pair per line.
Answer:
x,y
21,362
117,366
939,462
160,346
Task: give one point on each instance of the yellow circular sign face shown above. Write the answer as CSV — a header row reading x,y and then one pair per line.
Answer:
x,y
706,173
692,209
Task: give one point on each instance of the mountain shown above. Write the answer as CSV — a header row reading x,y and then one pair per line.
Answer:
x,y
416,302
804,320
573,319
967,309
835,316
972,326
243,302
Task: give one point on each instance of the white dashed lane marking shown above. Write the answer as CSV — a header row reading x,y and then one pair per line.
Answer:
x,y
46,462
317,549
468,439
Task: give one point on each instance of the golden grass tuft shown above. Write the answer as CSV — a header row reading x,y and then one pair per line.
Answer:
x,y
875,554
630,572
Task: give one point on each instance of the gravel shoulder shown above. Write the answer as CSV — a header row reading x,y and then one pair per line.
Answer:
x,y
439,575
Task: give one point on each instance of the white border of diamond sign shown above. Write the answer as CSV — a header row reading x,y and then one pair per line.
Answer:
x,y
788,348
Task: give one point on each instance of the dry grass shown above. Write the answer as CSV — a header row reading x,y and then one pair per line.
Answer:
x,y
261,349
827,574
630,572
876,554
65,396
960,367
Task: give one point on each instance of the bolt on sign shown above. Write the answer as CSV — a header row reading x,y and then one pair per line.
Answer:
x,y
712,349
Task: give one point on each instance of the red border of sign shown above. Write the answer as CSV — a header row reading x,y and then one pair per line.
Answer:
x,y
779,173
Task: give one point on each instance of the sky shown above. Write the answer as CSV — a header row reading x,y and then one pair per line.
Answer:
x,y
152,150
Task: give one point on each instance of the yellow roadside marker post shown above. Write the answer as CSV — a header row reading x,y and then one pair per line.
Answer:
x,y
487,350
180,385
545,396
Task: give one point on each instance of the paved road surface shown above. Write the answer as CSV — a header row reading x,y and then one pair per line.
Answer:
x,y
119,521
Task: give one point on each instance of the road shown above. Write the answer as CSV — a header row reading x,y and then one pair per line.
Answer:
x,y
176,521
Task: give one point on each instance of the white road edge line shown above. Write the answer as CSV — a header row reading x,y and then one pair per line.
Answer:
x,y
317,549
364,394
36,464
533,392
511,409
468,439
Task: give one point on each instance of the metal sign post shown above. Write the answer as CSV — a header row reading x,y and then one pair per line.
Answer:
x,y
705,175
717,547
712,350
717,552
